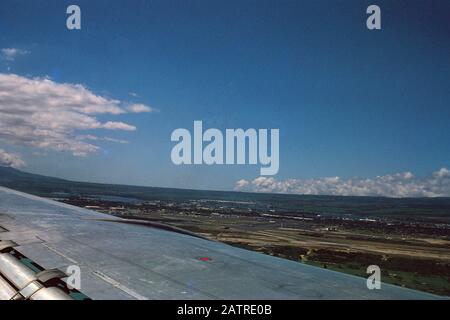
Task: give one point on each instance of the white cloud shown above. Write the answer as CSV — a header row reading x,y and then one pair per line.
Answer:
x,y
96,138
117,126
10,54
41,113
241,184
139,108
395,185
442,173
10,160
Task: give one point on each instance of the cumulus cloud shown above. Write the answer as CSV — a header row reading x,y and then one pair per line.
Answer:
x,y
41,113
241,184
394,185
10,160
10,54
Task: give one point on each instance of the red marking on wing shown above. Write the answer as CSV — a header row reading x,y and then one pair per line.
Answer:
x,y
205,259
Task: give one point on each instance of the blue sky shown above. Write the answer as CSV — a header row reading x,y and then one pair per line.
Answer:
x,y
349,102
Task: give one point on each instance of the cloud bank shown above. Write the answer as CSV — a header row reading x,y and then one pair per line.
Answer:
x,y
41,113
396,185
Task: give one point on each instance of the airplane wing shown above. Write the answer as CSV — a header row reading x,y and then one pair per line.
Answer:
x,y
126,261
